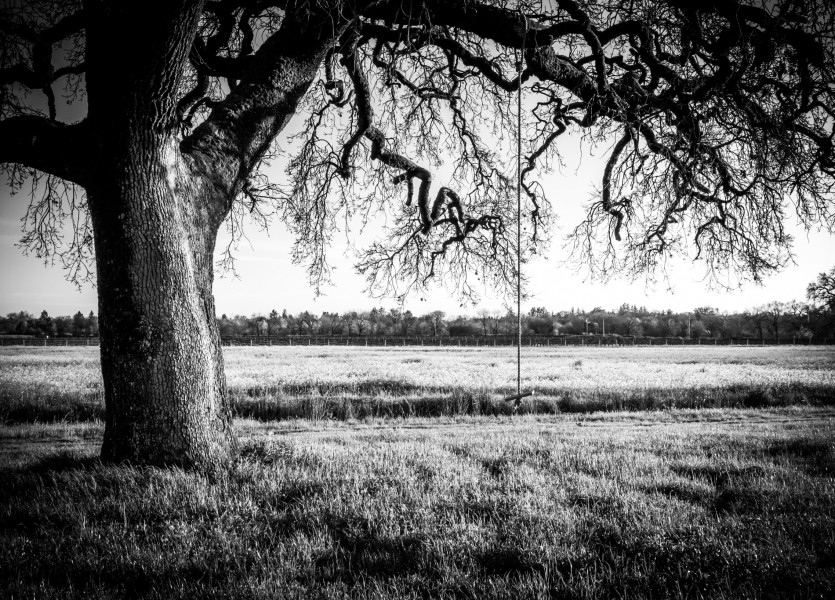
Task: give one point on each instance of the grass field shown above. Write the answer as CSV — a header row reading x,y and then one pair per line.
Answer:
x,y
49,384
702,502
683,503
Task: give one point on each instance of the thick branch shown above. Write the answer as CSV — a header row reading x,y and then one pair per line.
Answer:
x,y
230,143
54,148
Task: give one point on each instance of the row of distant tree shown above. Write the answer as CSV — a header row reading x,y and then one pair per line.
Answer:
x,y
775,319
23,323
815,318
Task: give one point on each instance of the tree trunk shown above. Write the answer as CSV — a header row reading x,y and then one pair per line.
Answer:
x,y
157,197
155,215
162,365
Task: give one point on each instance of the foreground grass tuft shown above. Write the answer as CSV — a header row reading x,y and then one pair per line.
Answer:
x,y
682,504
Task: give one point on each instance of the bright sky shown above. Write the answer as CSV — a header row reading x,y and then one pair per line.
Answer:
x,y
268,279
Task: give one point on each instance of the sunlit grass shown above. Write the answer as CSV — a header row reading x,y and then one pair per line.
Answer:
x,y
332,497
693,503
46,384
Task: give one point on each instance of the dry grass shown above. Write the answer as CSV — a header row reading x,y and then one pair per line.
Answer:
x,y
49,384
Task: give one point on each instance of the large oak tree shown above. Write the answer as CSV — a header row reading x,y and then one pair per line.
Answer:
x,y
717,117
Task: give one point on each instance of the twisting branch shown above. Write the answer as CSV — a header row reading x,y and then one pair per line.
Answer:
x,y
614,209
379,147
440,231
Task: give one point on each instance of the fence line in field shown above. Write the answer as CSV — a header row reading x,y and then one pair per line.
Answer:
x,y
454,341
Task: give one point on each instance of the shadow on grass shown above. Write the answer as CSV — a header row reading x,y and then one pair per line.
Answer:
x,y
359,552
58,462
717,474
385,398
735,489
509,561
680,491
135,580
815,457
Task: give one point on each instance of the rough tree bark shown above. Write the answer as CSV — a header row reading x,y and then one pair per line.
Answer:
x,y
161,360
162,364
165,389
157,203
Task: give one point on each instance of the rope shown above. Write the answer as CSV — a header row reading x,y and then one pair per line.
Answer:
x,y
517,398
519,66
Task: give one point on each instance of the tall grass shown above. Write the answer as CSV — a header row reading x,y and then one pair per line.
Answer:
x,y
50,384
679,504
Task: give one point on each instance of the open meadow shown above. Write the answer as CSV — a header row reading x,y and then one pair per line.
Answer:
x,y
399,473
47,384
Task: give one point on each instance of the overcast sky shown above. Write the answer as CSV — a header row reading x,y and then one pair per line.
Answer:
x,y
268,280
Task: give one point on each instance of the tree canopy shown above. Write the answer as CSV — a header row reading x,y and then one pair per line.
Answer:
x,y
717,118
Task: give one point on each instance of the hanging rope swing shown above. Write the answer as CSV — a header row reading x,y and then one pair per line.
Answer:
x,y
519,395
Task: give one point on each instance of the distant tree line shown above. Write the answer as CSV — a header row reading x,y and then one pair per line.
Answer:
x,y
815,318
772,320
24,324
